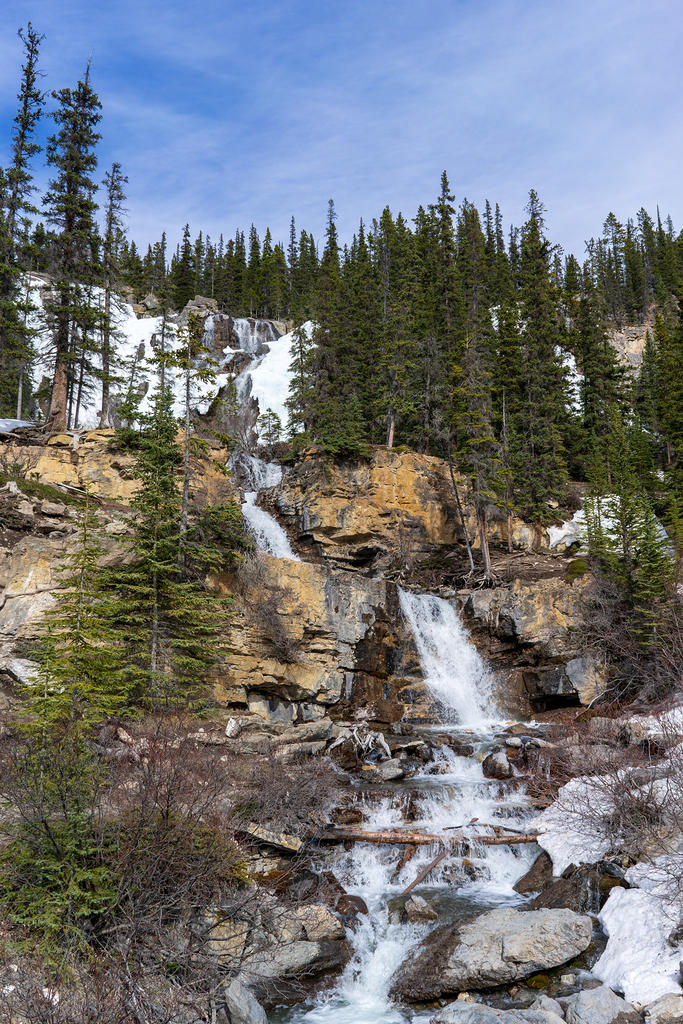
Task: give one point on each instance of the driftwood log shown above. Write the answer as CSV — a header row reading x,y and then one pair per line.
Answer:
x,y
402,837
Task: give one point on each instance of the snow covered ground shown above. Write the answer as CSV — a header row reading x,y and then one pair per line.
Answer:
x,y
270,374
639,960
642,958
266,377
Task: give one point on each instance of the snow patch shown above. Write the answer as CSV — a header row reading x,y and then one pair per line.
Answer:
x,y
638,959
268,379
568,834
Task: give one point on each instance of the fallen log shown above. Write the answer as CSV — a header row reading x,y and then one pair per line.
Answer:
x,y
425,871
406,856
507,840
398,837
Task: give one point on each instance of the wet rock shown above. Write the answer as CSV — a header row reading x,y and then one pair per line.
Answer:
x,y
497,766
478,1013
584,888
349,906
390,770
242,1005
494,949
599,1006
417,909
540,872
667,1010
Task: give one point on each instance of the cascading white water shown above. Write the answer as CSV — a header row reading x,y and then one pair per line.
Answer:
x,y
380,942
452,793
269,535
452,667
253,335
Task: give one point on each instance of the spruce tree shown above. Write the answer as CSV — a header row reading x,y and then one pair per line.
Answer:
x,y
540,465
79,682
114,183
16,211
70,206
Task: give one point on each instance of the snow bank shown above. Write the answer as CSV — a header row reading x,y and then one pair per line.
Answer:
x,y
9,425
572,531
270,375
638,960
566,834
266,377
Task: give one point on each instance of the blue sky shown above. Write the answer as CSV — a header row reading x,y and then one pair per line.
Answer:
x,y
224,113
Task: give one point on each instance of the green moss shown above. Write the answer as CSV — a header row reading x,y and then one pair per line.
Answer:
x,y
539,981
577,567
35,489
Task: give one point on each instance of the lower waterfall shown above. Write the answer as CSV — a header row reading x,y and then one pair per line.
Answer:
x,y
452,667
449,792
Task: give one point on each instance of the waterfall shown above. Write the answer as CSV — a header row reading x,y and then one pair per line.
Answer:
x,y
269,535
451,665
380,940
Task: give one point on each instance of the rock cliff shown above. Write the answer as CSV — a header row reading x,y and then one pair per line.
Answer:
x,y
307,638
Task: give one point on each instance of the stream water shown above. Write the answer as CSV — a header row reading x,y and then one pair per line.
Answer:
x,y
452,791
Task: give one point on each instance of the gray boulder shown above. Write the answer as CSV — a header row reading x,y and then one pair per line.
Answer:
x,y
497,766
477,1013
545,1003
497,948
390,770
666,1010
598,1006
242,1005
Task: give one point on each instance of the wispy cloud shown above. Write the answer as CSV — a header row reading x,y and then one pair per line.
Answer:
x,y
223,113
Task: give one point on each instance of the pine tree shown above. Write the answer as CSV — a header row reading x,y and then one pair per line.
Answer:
x,y
477,450
79,681
114,183
168,624
183,275
540,465
16,210
71,206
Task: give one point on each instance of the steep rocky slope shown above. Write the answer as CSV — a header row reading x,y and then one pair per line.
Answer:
x,y
328,635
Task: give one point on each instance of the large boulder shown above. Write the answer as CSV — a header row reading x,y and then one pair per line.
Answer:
x,y
478,1013
242,1005
599,1006
496,948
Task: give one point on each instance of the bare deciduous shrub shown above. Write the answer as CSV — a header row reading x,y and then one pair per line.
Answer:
x,y
623,795
167,826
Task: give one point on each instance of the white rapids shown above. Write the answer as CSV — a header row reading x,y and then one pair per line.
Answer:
x,y
452,667
452,791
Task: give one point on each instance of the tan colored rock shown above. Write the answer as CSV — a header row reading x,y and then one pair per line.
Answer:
x,y
342,632
92,460
393,507
540,612
320,924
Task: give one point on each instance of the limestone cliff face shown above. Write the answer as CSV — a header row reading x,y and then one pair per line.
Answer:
x,y
535,629
92,460
393,508
303,639
306,638
317,636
